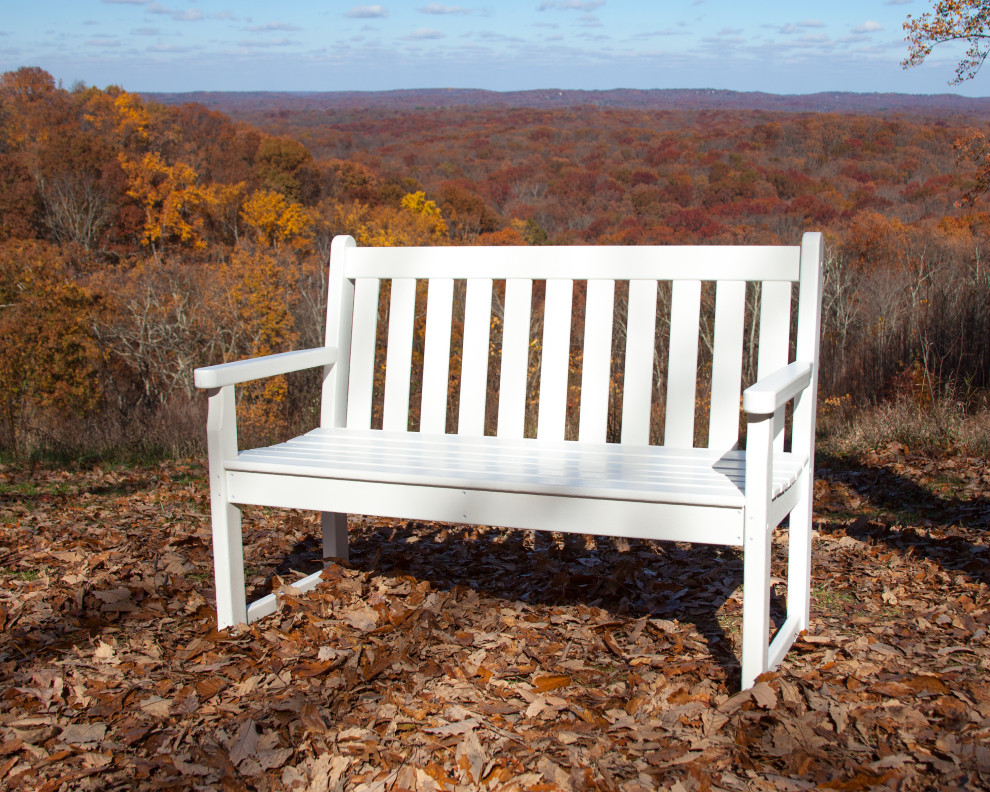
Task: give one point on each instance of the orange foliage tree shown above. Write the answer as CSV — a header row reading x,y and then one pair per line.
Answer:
x,y
951,20
263,311
275,220
174,203
48,356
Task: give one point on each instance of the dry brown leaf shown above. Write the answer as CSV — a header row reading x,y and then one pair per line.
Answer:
x,y
363,619
470,758
244,745
83,733
548,682
460,727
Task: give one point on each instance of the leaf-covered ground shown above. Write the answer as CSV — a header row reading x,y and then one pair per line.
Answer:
x,y
452,657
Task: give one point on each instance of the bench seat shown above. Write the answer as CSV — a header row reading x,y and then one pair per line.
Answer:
x,y
652,474
456,477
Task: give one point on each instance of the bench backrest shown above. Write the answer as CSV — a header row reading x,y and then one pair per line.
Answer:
x,y
676,272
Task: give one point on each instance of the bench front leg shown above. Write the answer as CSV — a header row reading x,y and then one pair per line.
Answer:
x,y
228,550
756,549
334,535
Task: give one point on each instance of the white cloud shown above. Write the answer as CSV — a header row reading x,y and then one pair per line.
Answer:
x,y
654,33
437,8
367,12
169,48
147,31
270,26
500,38
126,2
868,27
724,40
898,2
103,41
791,28
279,42
424,34
571,5
191,15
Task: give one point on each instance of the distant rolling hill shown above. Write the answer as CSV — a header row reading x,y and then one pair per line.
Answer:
x,y
237,102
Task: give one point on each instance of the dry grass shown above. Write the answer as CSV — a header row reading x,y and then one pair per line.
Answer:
x,y
932,428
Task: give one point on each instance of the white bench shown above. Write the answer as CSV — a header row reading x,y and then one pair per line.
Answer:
x,y
717,495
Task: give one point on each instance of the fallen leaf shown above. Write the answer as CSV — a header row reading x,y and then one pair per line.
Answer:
x,y
470,758
83,733
245,743
551,682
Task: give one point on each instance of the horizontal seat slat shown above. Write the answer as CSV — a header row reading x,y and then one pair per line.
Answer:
x,y
644,473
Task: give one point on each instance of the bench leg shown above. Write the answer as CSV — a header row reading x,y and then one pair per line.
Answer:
x,y
756,550
799,560
228,551
228,563
756,605
334,535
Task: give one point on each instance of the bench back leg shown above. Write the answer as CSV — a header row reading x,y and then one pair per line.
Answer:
x,y
799,556
334,535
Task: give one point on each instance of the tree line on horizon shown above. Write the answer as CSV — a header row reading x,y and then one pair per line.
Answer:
x,y
139,240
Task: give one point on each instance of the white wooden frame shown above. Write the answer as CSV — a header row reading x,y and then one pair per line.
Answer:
x,y
716,495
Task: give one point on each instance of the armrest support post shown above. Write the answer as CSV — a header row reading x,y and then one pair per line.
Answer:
x,y
228,551
756,546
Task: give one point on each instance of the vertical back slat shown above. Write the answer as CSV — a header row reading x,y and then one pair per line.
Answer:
x,y
555,359
362,380
596,361
340,312
474,363
808,337
637,383
775,330
398,356
775,327
682,367
436,355
515,358
730,314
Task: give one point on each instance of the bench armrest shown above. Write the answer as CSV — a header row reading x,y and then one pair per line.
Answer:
x,y
266,366
774,391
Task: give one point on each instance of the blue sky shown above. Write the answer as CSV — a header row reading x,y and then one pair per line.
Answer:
x,y
326,45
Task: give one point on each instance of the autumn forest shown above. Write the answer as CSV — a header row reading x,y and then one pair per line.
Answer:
x,y
139,238
142,236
